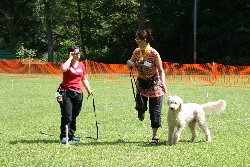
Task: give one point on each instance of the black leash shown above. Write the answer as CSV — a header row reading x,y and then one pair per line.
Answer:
x,y
131,80
96,123
45,134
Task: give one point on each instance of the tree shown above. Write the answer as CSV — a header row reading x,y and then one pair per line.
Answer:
x,y
81,28
105,29
49,30
22,28
142,14
194,18
224,32
110,29
171,26
11,23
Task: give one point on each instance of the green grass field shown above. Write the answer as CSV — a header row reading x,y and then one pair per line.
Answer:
x,y
28,107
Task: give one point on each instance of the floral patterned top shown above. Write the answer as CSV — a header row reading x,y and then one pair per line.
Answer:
x,y
147,69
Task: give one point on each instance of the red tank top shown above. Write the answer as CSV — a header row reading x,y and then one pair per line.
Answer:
x,y
72,77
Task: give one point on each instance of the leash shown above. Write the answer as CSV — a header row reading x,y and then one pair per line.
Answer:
x,y
93,104
96,123
131,80
45,134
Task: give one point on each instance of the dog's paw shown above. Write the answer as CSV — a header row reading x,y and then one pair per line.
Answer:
x,y
169,143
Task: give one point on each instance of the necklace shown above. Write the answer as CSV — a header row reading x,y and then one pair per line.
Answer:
x,y
145,49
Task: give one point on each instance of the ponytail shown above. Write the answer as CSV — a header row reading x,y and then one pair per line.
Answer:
x,y
145,34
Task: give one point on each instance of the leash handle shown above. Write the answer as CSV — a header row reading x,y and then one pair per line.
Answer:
x,y
91,94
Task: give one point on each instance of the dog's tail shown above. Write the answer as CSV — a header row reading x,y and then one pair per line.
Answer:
x,y
214,107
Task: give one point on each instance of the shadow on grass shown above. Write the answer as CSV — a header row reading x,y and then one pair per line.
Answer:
x,y
33,141
93,142
163,143
99,142
122,142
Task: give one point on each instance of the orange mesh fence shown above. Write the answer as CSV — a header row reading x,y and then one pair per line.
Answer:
x,y
207,74
193,74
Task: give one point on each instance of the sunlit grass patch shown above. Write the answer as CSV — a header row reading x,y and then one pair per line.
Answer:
x,y
30,118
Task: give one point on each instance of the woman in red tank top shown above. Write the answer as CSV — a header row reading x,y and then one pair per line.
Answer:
x,y
74,77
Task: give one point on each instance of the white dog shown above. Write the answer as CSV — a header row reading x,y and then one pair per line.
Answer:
x,y
180,114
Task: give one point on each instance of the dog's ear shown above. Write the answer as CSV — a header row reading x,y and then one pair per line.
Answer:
x,y
181,104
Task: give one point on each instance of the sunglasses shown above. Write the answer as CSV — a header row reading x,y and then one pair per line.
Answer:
x,y
138,40
76,54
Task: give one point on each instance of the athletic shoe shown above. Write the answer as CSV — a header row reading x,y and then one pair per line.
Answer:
x,y
63,140
75,139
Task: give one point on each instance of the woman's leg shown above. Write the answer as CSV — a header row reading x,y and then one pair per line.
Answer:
x,y
66,116
155,106
141,105
77,105
155,135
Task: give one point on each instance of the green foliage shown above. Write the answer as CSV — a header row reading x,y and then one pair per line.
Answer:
x,y
171,23
25,53
222,32
108,28
112,30
99,54
28,107
62,52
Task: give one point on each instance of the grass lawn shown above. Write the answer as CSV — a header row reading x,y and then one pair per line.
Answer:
x,y
30,118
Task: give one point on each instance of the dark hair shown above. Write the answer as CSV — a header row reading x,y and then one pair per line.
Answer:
x,y
145,34
72,48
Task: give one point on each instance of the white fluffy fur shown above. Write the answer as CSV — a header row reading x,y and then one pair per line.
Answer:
x,y
180,115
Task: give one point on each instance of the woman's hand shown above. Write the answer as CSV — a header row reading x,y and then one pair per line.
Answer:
x,y
90,93
71,55
130,64
164,88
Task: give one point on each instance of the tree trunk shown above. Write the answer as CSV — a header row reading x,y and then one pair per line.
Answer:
x,y
142,14
11,24
182,47
81,31
49,32
195,11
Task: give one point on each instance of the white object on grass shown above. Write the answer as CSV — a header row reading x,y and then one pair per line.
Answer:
x,y
12,84
67,136
207,91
